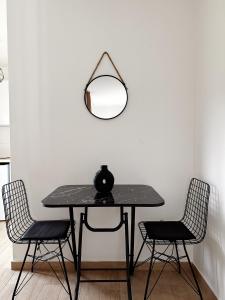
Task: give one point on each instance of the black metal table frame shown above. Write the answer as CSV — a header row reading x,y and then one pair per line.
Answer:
x,y
84,221
84,196
132,235
77,255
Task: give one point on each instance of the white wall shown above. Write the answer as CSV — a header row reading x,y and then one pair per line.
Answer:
x,y
4,103
3,34
210,138
4,141
53,48
4,93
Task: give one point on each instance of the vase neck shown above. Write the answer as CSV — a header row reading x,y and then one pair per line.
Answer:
x,y
104,167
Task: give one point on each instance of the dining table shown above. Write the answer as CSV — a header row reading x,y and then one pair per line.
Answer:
x,y
85,196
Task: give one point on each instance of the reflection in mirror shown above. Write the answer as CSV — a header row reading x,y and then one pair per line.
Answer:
x,y
106,97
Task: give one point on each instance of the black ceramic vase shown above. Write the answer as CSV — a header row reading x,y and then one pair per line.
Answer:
x,y
104,180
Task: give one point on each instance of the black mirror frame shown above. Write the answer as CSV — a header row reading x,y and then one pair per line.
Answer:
x,y
126,89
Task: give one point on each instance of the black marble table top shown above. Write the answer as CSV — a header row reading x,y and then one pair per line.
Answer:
x,y
125,195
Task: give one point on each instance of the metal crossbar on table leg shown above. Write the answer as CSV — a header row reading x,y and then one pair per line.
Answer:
x,y
84,221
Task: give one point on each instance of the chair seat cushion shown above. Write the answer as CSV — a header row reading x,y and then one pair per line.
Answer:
x,y
168,230
47,230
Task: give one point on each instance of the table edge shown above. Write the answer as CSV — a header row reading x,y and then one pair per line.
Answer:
x,y
105,205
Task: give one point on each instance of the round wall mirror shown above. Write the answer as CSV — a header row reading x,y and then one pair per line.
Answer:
x,y
106,97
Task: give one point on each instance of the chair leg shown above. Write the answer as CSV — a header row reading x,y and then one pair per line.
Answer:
x,y
127,257
178,258
79,256
149,271
71,250
192,271
139,253
21,270
65,271
35,249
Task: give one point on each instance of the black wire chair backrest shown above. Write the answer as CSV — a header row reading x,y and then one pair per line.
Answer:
x,y
196,209
17,213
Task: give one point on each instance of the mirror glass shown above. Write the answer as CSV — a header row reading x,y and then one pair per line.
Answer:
x,y
105,97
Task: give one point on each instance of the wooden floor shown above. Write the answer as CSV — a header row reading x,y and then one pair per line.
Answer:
x,y
45,286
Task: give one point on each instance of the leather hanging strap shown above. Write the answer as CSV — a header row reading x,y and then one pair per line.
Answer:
x,y
110,59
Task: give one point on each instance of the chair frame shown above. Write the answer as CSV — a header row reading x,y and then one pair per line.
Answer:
x,y
18,221
198,191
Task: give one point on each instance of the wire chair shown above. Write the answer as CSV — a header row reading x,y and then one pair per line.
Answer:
x,y
21,226
191,229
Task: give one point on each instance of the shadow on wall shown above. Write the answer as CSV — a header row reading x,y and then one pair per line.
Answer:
x,y
209,256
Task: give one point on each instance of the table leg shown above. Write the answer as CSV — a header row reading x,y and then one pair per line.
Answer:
x,y
129,292
79,257
73,237
132,231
